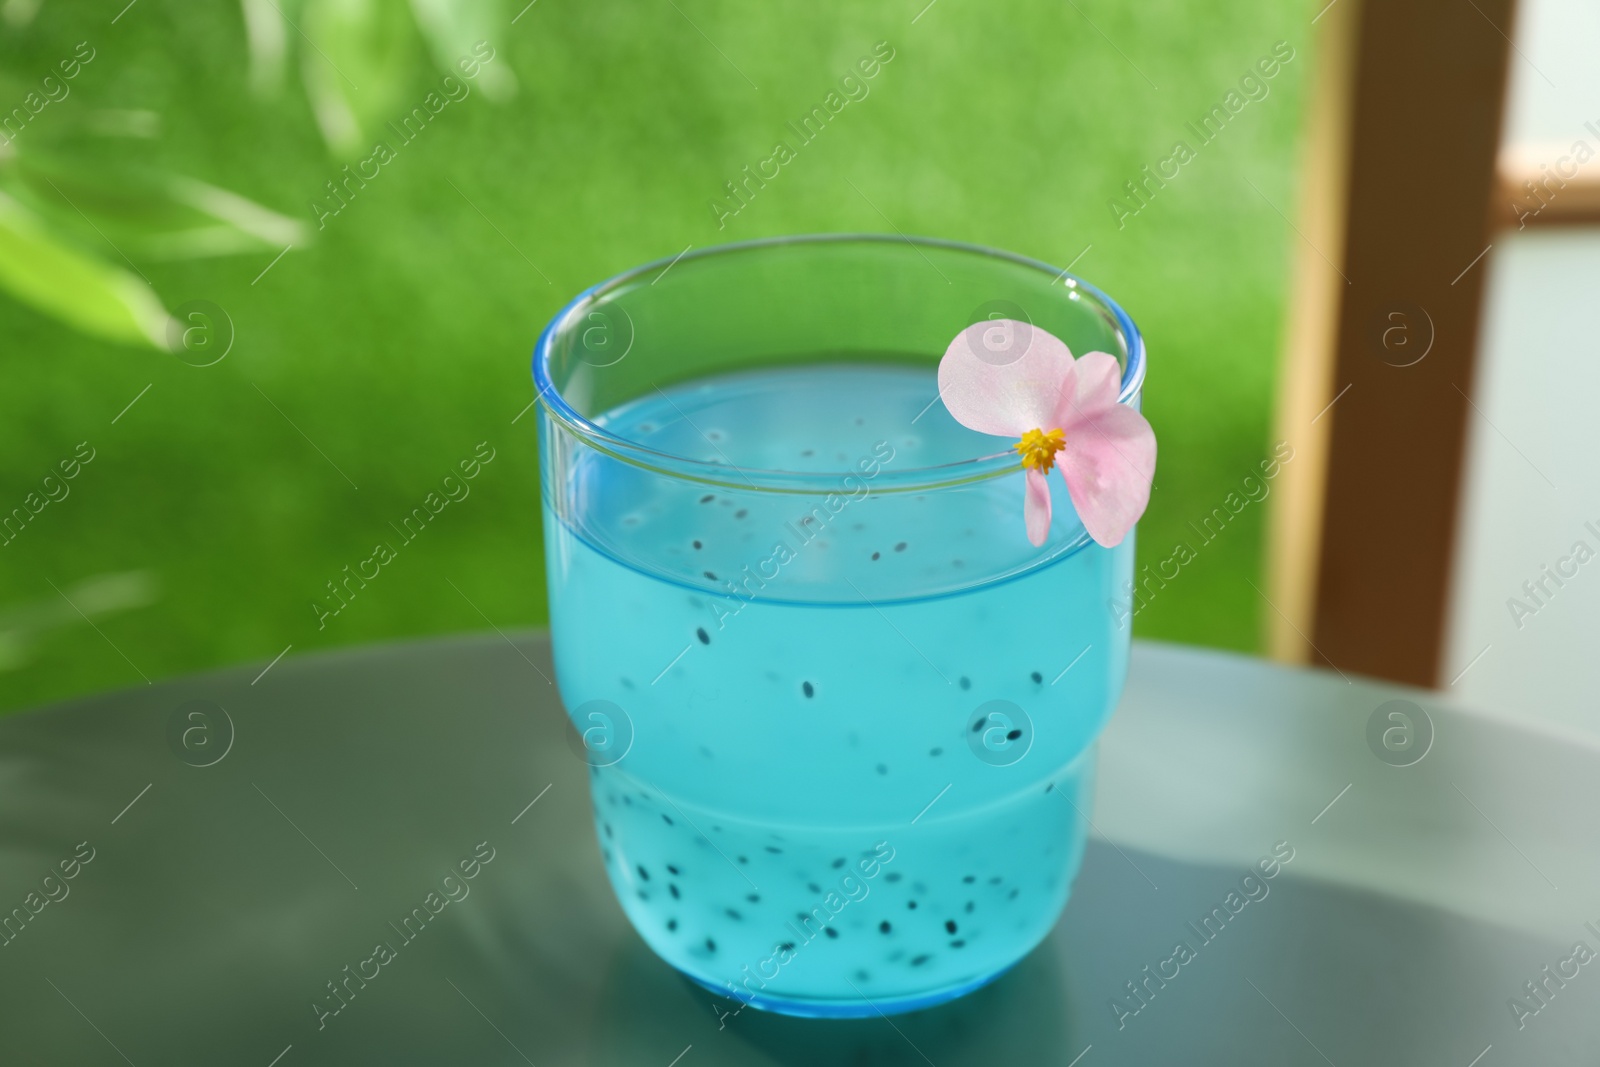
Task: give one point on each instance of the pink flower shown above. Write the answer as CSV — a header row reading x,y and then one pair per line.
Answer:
x,y
1060,410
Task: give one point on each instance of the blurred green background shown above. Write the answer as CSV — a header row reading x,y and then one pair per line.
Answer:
x,y
386,344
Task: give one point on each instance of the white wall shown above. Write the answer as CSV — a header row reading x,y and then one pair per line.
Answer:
x,y
1555,76
1538,395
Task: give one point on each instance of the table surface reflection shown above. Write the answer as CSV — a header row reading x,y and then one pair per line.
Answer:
x,y
221,880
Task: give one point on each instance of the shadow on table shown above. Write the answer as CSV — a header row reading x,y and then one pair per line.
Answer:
x,y
1020,1018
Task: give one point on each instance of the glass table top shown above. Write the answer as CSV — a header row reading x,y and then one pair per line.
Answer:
x,y
203,871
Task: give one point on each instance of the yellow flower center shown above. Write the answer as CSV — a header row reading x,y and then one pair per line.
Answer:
x,y
1038,449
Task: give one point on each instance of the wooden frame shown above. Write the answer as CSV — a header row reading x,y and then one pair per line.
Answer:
x,y
1362,538
1541,185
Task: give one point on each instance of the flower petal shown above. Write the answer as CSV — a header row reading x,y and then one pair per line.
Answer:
x,y
1036,507
1002,377
1108,462
1095,389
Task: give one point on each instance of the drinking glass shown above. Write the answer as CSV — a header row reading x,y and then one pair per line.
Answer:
x,y
840,715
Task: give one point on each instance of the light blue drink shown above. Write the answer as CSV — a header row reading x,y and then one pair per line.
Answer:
x,y
844,728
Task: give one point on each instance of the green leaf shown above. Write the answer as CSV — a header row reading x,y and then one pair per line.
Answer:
x,y
357,57
266,32
79,290
453,28
22,625
146,213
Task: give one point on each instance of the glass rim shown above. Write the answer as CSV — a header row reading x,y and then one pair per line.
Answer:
x,y
944,475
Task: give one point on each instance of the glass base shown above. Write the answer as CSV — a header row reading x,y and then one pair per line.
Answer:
x,y
856,1007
